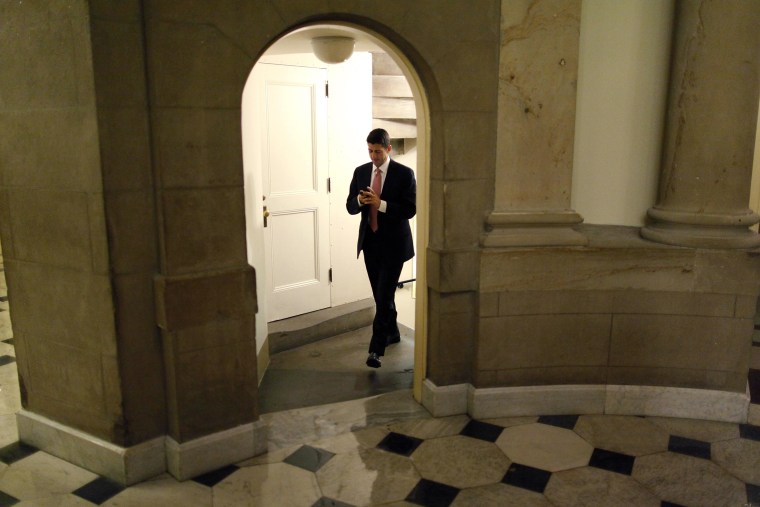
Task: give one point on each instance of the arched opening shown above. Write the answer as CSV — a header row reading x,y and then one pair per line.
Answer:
x,y
312,265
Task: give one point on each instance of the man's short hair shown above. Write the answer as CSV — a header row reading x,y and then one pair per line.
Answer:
x,y
379,136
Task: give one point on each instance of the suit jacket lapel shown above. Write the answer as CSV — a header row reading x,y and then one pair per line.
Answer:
x,y
368,176
390,178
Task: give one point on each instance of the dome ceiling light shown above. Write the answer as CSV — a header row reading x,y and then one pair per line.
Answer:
x,y
333,49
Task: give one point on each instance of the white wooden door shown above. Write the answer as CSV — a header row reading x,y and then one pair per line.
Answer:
x,y
293,150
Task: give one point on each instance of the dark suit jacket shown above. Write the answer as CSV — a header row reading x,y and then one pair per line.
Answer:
x,y
400,194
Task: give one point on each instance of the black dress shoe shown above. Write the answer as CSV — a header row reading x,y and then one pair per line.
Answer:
x,y
373,361
393,339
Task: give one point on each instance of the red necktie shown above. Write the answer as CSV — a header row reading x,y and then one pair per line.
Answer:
x,y
376,184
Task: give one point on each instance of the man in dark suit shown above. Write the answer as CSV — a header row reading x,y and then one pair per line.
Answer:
x,y
385,193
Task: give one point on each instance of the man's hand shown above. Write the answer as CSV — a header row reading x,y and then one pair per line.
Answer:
x,y
369,197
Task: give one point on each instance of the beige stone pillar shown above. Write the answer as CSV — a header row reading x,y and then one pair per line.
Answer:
x,y
121,211
205,291
536,125
77,223
710,128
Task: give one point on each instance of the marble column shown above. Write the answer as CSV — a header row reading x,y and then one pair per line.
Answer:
x,y
710,128
536,125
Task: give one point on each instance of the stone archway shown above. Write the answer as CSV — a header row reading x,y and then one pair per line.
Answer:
x,y
370,39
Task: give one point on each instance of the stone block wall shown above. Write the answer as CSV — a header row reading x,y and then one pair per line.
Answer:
x,y
621,311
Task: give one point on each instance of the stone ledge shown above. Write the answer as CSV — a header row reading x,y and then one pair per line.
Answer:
x,y
617,258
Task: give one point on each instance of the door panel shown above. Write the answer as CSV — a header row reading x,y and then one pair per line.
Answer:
x,y
295,238
294,182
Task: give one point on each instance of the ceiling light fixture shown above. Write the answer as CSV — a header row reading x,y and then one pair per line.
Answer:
x,y
333,49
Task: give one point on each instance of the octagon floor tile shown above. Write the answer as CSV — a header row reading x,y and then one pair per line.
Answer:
x,y
275,484
545,447
500,495
353,441
367,476
163,490
634,436
741,457
688,481
590,487
41,475
432,428
706,431
10,401
460,461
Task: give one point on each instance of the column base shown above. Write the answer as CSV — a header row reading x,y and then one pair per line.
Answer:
x,y
701,237
130,465
533,228
488,403
702,230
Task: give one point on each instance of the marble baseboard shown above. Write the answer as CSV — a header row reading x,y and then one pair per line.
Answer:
x,y
445,400
497,402
134,464
536,400
678,402
190,459
124,465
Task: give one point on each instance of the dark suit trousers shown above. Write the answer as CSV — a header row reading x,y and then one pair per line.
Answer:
x,y
383,272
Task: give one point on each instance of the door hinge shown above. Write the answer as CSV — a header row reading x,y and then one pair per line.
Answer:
x,y
329,275
327,89
329,188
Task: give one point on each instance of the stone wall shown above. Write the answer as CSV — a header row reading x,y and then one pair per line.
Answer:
x,y
622,311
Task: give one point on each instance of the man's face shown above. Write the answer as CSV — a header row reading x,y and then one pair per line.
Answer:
x,y
378,153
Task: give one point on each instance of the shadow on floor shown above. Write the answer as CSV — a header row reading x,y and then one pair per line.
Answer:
x,y
332,370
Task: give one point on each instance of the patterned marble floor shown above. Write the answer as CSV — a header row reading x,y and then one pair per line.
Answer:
x,y
387,450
